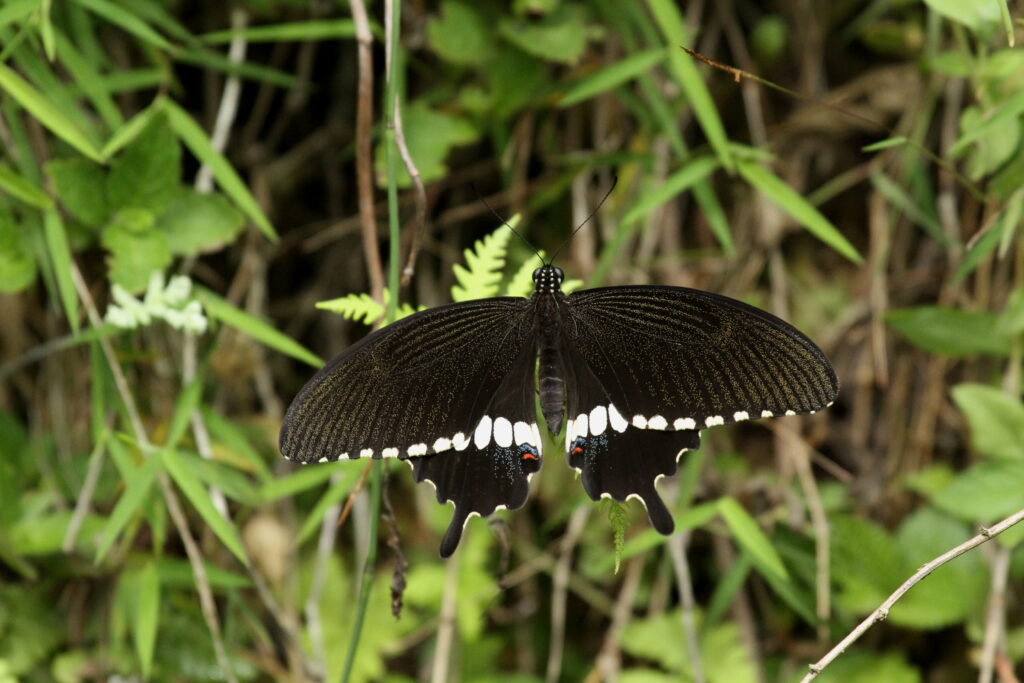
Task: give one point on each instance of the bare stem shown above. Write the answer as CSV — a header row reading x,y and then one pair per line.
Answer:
x,y
446,622
677,550
560,591
883,610
995,622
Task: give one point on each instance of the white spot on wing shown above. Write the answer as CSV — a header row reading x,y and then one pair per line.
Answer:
x,y
685,423
417,449
503,432
390,452
537,441
522,432
582,425
740,415
482,435
366,453
598,420
616,420
323,459
767,413
442,444
714,420
640,422
790,412
657,422
460,441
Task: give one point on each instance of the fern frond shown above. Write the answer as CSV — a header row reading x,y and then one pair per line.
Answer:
x,y
619,518
485,262
363,308
521,283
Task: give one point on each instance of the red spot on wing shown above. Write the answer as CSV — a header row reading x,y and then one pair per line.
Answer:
x,y
529,456
577,450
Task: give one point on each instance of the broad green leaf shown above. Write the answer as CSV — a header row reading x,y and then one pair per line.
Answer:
x,y
146,599
136,249
996,420
484,264
225,175
60,257
672,26
17,267
130,22
1012,319
974,14
220,309
195,223
748,535
461,35
870,667
866,563
15,11
81,189
430,135
300,480
137,487
43,534
612,76
560,36
182,468
47,113
991,137
985,492
20,188
787,199
147,173
950,331
132,128
324,29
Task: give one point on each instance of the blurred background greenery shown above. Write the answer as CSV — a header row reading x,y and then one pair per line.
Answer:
x,y
148,526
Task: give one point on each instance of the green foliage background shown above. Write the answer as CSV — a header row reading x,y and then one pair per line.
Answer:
x,y
888,231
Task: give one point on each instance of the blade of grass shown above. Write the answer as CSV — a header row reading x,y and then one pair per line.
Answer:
x,y
120,16
15,11
296,482
20,188
60,257
46,28
326,29
905,203
612,76
42,109
138,483
146,598
89,80
198,142
337,491
787,199
182,470
748,535
130,129
220,309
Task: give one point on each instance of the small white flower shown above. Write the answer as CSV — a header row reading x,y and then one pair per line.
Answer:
x,y
178,290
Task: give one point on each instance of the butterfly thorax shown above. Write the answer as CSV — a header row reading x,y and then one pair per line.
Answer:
x,y
548,298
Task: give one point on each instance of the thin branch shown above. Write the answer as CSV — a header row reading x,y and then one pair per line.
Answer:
x,y
883,610
677,550
324,546
92,477
560,590
995,619
420,193
195,556
609,660
364,150
446,622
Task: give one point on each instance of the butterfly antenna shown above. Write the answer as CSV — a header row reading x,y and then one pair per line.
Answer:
x,y
615,181
505,222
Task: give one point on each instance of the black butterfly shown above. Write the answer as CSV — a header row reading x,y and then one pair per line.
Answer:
x,y
637,370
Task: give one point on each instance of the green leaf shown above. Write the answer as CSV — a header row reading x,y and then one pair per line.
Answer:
x,y
342,483
116,14
136,492
147,174
866,563
60,257
225,175
748,535
1012,319
659,638
885,144
17,267
996,420
521,283
485,262
232,446
974,14
81,189
672,26
460,35
870,667
195,223
364,308
220,309
950,331
182,468
612,76
146,599
787,199
136,249
691,172
985,492
132,128
430,135
560,36
905,203
300,480
20,188
979,250
46,112
324,29
84,74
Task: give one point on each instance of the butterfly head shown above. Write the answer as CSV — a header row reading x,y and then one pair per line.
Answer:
x,y
548,279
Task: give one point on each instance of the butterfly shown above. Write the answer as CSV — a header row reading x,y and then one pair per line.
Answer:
x,y
634,372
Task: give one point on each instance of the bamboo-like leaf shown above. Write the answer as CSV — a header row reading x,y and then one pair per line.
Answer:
x,y
195,139
300,480
612,76
60,257
138,483
120,16
787,199
40,107
686,177
341,485
131,128
326,29
220,309
17,186
181,468
749,536
89,80
145,621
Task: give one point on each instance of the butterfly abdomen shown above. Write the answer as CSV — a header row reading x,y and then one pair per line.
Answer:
x,y
549,373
